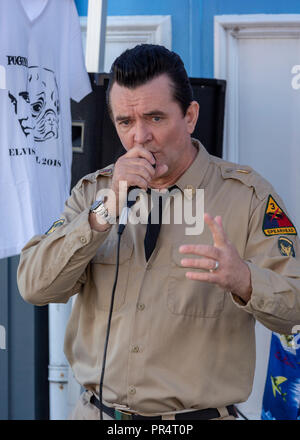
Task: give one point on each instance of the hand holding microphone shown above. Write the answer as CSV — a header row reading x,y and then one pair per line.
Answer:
x,y
137,168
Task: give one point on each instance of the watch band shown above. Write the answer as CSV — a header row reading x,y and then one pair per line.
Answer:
x,y
99,208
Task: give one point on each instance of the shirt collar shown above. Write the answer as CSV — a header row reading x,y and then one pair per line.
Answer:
x,y
193,177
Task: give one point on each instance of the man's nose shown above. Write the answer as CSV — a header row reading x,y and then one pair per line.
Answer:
x,y
142,133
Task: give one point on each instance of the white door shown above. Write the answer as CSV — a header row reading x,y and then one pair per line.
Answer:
x,y
125,32
256,54
269,110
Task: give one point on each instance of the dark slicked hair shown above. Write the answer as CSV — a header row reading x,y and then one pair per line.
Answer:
x,y
144,62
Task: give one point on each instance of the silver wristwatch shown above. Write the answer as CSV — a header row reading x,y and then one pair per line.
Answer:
x,y
99,208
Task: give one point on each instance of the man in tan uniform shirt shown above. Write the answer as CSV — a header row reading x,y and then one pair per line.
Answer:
x,y
182,332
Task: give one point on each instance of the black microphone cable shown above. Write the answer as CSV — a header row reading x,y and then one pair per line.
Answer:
x,y
122,224
109,321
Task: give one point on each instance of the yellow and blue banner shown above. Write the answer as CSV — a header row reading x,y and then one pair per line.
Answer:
x,y
281,399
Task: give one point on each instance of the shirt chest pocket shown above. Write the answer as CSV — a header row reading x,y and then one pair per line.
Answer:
x,y
191,297
103,269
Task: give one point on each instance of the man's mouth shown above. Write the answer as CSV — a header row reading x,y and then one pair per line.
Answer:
x,y
154,155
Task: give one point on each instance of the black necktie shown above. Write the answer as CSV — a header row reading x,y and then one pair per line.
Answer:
x,y
153,229
154,222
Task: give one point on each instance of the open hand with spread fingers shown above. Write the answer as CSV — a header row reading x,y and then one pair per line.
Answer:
x,y
222,262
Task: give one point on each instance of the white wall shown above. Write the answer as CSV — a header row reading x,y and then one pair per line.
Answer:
x,y
256,54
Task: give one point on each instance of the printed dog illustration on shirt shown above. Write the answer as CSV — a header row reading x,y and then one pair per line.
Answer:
x,y
44,103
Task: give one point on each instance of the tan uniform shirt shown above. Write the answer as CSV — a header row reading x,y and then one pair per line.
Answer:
x,y
174,343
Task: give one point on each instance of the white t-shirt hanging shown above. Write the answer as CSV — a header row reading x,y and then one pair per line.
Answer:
x,y
41,68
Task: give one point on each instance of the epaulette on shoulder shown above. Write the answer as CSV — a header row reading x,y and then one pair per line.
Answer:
x,y
92,177
248,176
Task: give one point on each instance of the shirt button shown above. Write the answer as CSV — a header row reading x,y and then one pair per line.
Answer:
x,y
135,349
132,390
141,306
83,240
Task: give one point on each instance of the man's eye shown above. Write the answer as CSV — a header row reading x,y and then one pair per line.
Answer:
x,y
25,96
156,118
124,123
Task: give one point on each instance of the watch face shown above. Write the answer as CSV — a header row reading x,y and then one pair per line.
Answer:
x,y
96,204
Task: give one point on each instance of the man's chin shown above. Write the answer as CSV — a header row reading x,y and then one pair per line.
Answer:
x,y
160,182
27,130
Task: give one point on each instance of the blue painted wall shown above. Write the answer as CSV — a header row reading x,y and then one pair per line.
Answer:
x,y
222,7
192,22
185,22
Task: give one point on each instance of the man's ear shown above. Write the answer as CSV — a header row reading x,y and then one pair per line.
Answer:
x,y
191,116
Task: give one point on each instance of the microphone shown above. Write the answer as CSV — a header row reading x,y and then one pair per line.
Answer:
x,y
125,210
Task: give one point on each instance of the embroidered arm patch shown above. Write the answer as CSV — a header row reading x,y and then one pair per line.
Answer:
x,y
55,225
106,171
286,247
276,221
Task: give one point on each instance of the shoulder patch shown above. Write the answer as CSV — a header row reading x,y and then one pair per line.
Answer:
x,y
275,221
107,171
286,247
55,225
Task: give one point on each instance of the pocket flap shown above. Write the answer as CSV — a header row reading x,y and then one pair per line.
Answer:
x,y
176,255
